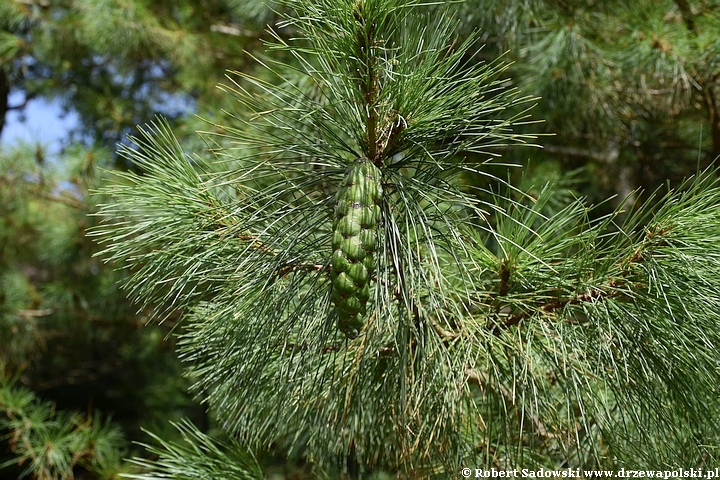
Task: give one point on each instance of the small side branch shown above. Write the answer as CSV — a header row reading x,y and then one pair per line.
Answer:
x,y
504,279
35,313
254,243
335,347
559,305
304,346
20,105
310,267
654,237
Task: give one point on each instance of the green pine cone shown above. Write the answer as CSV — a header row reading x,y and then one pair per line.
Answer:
x,y
357,215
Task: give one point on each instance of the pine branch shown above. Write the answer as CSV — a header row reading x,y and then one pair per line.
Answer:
x,y
197,456
51,444
242,242
550,308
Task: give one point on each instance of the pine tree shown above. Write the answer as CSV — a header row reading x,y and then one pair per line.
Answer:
x,y
114,63
67,333
362,287
629,88
69,338
49,445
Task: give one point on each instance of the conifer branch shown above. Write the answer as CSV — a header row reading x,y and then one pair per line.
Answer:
x,y
551,308
255,243
267,354
313,267
367,76
615,288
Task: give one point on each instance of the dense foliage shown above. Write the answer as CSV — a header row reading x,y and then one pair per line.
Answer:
x,y
363,265
502,327
66,330
629,89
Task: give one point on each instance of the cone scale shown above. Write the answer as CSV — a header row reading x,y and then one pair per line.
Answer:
x,y
354,240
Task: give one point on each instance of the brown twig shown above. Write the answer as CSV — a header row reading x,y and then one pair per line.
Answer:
x,y
281,272
446,335
35,313
304,346
504,279
383,352
714,118
552,307
687,15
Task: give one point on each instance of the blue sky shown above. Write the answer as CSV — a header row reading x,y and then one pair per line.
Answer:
x,y
44,123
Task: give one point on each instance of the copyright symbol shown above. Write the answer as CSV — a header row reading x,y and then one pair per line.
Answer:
x,y
466,472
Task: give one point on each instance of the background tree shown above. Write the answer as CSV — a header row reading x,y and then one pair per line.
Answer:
x,y
118,63
66,332
629,89
502,326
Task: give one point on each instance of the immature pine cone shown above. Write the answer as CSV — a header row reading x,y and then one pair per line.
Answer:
x,y
357,215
